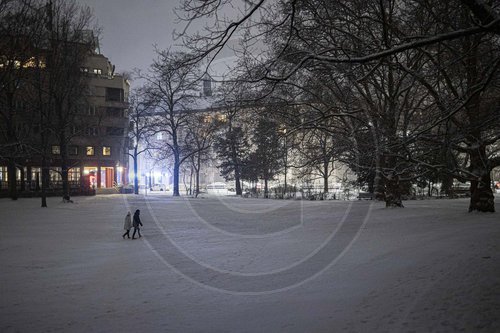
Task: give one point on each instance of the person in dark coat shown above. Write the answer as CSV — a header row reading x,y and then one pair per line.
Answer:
x,y
136,223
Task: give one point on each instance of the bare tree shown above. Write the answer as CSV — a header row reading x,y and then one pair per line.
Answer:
x,y
268,17
45,46
384,50
316,155
69,45
172,86
20,23
463,80
232,146
140,114
199,138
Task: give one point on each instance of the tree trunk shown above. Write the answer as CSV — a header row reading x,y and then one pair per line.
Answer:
x,y
176,174
266,190
393,192
29,177
64,172
197,177
45,181
191,182
446,185
197,183
379,185
23,183
237,181
37,180
325,177
482,198
65,181
11,171
136,176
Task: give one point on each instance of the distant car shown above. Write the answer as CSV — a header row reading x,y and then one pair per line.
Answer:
x,y
158,187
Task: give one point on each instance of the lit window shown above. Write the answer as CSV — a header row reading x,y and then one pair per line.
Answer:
x,y
74,174
89,151
106,151
56,150
84,69
97,71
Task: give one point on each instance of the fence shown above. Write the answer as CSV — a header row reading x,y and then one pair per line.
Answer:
x,y
55,188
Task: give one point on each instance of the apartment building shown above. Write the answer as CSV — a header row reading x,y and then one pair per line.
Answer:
x,y
97,143
100,145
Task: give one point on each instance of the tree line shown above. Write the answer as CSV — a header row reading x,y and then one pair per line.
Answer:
x,y
407,90
43,46
401,91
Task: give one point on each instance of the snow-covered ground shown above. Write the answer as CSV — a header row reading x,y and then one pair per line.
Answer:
x,y
222,264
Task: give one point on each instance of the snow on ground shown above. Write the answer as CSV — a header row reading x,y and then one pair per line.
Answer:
x,y
248,265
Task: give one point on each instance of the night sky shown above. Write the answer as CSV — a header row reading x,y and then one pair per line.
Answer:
x,y
130,28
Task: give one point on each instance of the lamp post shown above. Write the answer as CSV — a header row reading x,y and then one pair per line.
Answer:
x,y
286,156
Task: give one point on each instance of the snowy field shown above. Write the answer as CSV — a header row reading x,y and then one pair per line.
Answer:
x,y
248,265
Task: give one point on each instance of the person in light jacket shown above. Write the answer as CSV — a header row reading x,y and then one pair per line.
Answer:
x,y
127,225
136,223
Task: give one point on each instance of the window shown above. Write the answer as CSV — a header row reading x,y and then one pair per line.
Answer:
x,y
159,136
91,110
106,151
84,69
56,150
35,174
74,174
3,173
55,174
73,150
114,112
73,130
114,131
91,131
207,87
89,150
114,94
97,71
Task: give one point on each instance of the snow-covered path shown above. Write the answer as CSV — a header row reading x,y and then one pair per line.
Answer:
x,y
248,265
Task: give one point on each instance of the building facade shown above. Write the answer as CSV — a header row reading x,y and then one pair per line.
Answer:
x,y
101,143
97,137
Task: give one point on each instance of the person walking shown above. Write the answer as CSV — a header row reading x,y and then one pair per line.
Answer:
x,y
127,225
136,223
